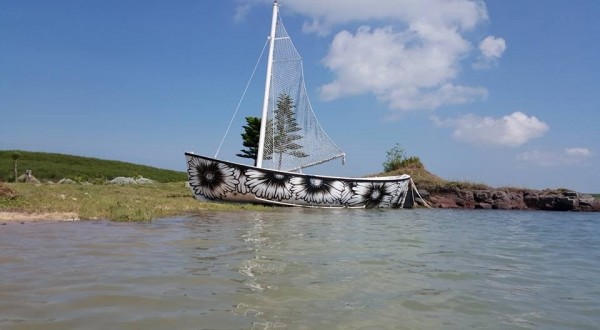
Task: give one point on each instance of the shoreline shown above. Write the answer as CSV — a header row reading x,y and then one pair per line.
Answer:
x,y
29,203
10,216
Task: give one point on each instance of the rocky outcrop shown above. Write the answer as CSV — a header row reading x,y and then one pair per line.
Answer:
x,y
28,177
120,180
511,199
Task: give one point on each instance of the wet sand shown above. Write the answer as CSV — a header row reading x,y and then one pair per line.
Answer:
x,y
46,216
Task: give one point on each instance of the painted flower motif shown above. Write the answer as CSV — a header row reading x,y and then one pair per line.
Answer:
x,y
399,194
315,190
346,193
211,179
372,194
269,185
240,174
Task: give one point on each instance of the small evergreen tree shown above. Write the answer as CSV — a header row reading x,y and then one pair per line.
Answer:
x,y
250,137
280,137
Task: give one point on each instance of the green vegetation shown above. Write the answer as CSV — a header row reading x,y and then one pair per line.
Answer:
x,y
251,138
52,166
397,163
281,138
148,201
118,203
396,158
168,197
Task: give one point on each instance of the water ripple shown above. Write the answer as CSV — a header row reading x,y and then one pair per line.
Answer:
x,y
306,269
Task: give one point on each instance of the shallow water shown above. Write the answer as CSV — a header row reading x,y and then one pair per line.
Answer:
x,y
306,269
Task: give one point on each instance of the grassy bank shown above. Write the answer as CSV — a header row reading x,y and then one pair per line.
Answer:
x,y
118,203
53,167
431,182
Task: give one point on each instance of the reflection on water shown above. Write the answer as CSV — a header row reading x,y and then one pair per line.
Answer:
x,y
305,269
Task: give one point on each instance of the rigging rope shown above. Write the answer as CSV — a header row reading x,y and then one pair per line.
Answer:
x,y
414,188
241,98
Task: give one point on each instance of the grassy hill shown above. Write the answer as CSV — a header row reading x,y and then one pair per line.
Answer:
x,y
431,182
53,166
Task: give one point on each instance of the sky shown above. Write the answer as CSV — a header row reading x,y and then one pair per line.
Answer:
x,y
505,93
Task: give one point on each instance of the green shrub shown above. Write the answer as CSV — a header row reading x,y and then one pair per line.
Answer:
x,y
396,158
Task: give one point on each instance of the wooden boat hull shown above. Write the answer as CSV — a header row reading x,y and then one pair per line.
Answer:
x,y
217,180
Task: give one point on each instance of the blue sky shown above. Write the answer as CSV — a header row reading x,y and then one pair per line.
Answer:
x,y
500,92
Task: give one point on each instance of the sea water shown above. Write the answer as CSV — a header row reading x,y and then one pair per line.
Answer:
x,y
306,269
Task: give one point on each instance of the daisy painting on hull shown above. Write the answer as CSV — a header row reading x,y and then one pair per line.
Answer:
x,y
217,180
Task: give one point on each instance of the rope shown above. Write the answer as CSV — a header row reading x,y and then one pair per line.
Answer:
x,y
414,188
241,98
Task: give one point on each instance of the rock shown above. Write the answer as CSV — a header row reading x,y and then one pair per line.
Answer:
x,y
483,205
66,181
444,202
28,177
482,196
423,193
142,180
515,199
502,205
499,194
588,203
120,180
552,200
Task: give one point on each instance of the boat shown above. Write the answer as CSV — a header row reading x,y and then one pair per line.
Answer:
x,y
291,139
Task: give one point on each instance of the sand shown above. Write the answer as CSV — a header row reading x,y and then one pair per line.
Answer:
x,y
46,216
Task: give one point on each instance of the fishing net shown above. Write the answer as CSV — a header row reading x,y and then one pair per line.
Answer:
x,y
294,138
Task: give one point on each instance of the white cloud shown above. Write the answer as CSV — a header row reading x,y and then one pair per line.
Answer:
x,y
324,15
568,156
491,48
242,9
411,69
410,63
512,130
578,152
462,14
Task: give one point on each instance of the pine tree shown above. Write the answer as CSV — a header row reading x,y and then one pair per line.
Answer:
x,y
251,137
280,138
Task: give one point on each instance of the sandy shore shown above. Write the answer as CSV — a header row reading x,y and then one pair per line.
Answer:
x,y
48,216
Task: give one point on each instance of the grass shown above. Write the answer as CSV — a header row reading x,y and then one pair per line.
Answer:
x,y
434,184
117,203
53,166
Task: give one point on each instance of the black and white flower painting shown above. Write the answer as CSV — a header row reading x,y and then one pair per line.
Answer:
x,y
216,180
317,191
372,194
269,185
399,194
211,179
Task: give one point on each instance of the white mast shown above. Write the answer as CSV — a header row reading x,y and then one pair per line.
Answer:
x,y
263,121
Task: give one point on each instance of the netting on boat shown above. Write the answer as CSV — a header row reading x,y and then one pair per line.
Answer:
x,y
294,138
